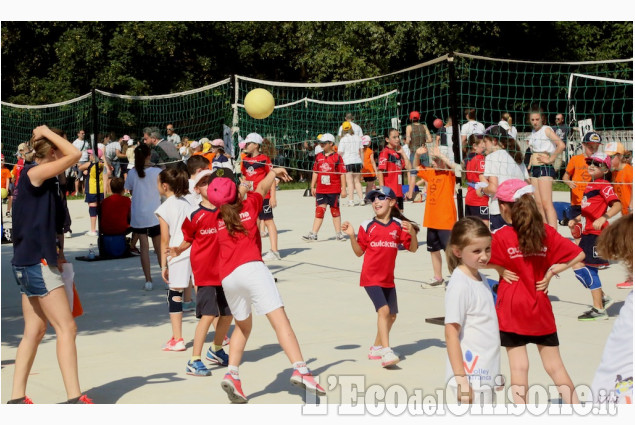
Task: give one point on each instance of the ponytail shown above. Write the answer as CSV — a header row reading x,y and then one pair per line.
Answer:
x,y
512,148
396,213
528,224
141,153
230,213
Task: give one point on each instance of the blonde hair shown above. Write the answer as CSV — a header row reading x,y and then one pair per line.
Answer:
x,y
616,242
463,233
42,147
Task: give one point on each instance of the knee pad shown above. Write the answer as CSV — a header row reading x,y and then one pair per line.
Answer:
x,y
320,211
335,211
92,211
175,301
589,277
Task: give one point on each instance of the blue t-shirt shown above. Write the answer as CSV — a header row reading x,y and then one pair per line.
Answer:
x,y
38,216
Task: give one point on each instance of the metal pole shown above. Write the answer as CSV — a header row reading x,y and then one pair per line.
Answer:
x,y
456,148
98,176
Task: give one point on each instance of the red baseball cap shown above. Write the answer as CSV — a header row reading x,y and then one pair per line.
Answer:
x,y
414,115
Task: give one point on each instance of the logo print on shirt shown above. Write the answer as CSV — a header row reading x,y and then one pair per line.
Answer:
x,y
470,362
608,191
382,161
324,167
393,234
250,171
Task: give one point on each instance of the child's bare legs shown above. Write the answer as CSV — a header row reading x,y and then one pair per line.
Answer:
x,y
385,320
597,295
187,293
519,368
437,263
545,187
538,197
411,185
200,333
337,223
239,340
286,337
317,222
350,187
222,327
357,180
144,246
273,233
553,365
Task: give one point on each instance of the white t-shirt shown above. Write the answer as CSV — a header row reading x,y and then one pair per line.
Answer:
x,y
193,198
349,148
472,127
111,151
616,366
510,130
83,146
174,211
539,142
470,304
500,164
145,197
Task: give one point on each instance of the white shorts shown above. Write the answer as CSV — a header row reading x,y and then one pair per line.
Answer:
x,y
251,283
180,273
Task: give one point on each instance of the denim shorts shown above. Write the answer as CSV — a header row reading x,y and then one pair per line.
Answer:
x,y
37,280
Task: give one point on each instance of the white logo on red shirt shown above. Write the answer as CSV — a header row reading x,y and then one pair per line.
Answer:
x,y
250,171
208,231
324,167
514,252
383,244
382,161
608,191
393,234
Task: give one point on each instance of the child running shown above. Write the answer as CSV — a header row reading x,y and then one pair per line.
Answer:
x,y
599,204
247,282
471,326
535,252
175,270
199,233
379,239
328,183
440,212
254,167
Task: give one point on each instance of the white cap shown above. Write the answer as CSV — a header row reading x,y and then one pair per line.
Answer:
x,y
253,138
195,144
327,137
130,142
201,174
365,140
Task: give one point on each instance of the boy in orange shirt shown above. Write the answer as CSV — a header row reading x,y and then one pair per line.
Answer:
x,y
577,172
440,212
622,178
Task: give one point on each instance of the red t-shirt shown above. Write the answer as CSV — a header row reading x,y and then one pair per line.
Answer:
x,y
327,167
200,230
256,168
391,164
115,214
475,167
238,249
380,244
520,307
597,197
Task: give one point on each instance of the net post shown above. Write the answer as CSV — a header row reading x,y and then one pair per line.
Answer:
x,y
455,129
98,178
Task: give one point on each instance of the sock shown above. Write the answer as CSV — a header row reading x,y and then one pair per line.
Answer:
x,y
215,347
195,358
73,400
301,367
233,370
376,347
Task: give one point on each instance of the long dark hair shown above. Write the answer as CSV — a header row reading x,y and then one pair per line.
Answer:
x,y
230,213
141,152
528,224
177,179
395,212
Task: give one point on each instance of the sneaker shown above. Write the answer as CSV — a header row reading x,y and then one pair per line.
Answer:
x,y
91,233
625,285
271,256
135,251
433,283
593,314
264,233
174,345
217,357
148,286
351,203
197,368
80,400
341,236
189,305
307,382
388,358
375,353
68,235
225,341
22,400
310,237
234,390
607,301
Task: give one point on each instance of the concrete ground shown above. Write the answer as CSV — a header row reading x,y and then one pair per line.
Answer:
x,y
121,333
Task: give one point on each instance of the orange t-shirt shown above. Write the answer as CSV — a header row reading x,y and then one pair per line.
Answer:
x,y
624,191
578,172
440,210
367,168
6,174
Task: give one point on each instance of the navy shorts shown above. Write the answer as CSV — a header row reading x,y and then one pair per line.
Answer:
x,y
510,339
496,222
37,280
211,301
538,171
267,211
383,296
479,211
574,211
330,199
437,240
92,198
370,179
588,243
150,231
354,168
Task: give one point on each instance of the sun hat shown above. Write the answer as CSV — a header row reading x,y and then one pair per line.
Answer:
x,y
253,138
511,190
613,148
197,178
222,189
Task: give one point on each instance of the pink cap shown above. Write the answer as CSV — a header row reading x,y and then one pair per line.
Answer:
x,y
100,152
242,144
511,190
126,137
221,191
365,140
600,157
218,142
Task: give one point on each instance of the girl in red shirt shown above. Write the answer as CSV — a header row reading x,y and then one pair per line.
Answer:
x,y
476,205
247,281
379,239
535,252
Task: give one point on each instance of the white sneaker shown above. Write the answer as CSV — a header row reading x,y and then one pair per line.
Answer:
x,y
341,236
68,235
91,233
148,286
388,358
271,256
310,237
351,203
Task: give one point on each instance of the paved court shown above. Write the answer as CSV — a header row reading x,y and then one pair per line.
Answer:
x,y
124,327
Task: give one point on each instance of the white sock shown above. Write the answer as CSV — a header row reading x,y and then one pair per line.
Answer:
x,y
301,367
233,370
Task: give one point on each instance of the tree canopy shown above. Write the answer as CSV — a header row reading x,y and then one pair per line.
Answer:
x,y
48,62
